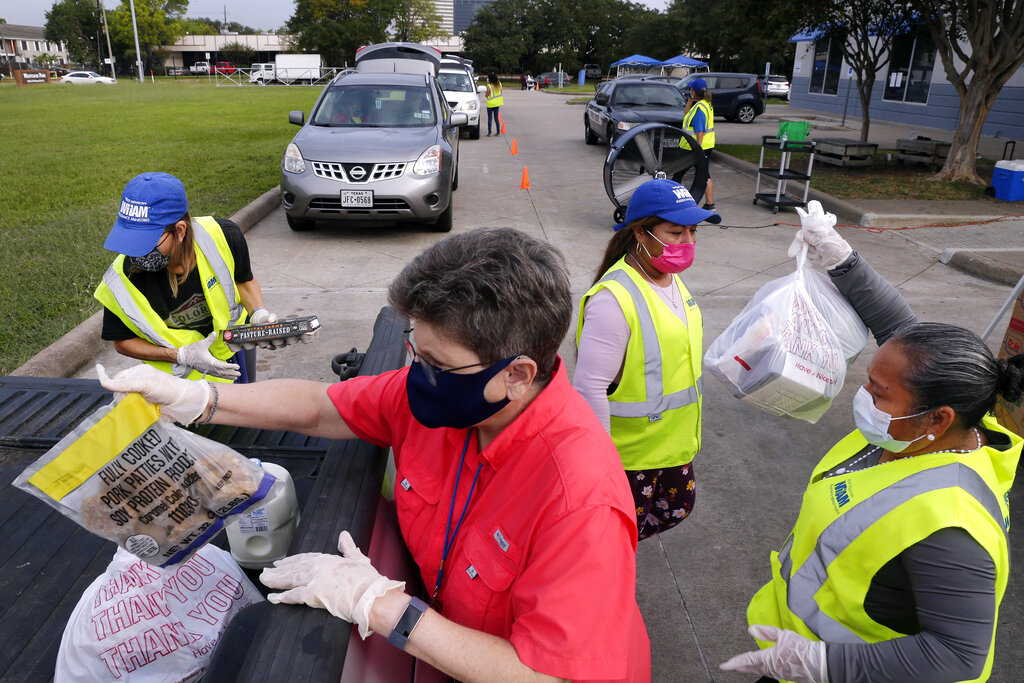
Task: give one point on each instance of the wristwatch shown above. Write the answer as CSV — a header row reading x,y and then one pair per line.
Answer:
x,y
407,622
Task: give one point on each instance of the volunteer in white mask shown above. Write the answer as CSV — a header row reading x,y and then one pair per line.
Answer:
x,y
899,558
639,341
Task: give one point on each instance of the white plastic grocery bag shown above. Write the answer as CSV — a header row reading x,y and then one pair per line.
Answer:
x,y
137,622
788,349
157,490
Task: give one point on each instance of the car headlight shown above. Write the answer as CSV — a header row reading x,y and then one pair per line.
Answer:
x,y
293,161
468,105
429,162
624,125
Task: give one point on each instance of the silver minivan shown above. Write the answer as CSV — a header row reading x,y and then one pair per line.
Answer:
x,y
380,145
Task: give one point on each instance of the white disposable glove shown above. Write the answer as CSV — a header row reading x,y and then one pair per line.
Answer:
x,y
182,400
198,357
825,246
345,585
792,658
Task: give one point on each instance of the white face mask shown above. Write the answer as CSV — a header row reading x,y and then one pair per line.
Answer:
x,y
874,423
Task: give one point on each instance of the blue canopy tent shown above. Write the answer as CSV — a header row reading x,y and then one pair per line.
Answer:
x,y
636,63
684,62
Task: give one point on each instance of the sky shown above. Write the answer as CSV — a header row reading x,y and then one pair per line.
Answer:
x,y
259,14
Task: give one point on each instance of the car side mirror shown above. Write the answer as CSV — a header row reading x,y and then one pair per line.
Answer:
x,y
481,89
297,117
459,118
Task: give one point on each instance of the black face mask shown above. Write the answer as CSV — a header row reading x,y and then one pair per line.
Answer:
x,y
153,261
456,401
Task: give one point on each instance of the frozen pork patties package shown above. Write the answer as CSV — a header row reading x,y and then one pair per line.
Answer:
x,y
157,490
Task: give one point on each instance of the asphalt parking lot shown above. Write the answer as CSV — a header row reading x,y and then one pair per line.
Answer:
x,y
695,580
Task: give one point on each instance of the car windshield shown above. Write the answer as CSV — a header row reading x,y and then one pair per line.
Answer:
x,y
371,106
647,95
776,79
455,82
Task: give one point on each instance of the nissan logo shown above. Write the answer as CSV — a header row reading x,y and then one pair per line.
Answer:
x,y
357,173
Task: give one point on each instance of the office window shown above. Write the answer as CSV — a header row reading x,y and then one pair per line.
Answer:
x,y
828,60
910,69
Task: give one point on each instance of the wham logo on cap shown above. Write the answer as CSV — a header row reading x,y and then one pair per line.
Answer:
x,y
669,200
150,202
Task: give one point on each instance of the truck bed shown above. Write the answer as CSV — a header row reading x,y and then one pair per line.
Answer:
x,y
47,561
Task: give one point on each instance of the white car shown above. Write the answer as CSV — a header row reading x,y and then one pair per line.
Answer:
x,y
85,77
462,95
778,86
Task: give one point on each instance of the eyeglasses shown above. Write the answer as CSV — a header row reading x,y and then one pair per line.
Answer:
x,y
429,370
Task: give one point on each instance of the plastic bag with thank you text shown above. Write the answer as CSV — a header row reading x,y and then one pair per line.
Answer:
x,y
157,490
788,350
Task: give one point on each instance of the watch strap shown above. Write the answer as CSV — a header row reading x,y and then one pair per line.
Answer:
x,y
399,636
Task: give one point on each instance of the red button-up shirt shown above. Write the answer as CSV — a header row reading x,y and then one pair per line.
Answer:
x,y
546,556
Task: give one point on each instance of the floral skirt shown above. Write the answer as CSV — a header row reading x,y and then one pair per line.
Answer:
x,y
663,497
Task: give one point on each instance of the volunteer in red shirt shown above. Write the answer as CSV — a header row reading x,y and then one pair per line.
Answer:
x,y
509,492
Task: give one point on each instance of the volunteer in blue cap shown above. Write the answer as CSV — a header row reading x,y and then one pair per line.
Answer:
x,y
699,121
177,283
639,343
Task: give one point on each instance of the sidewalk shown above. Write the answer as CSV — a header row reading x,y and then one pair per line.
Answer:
x,y
966,234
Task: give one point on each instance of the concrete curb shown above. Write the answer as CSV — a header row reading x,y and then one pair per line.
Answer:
x,y
67,355
975,264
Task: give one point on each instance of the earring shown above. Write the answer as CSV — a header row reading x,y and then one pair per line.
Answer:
x,y
931,437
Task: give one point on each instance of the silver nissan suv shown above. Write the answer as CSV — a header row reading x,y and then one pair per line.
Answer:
x,y
380,145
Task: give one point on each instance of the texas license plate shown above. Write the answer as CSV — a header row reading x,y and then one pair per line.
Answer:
x,y
357,199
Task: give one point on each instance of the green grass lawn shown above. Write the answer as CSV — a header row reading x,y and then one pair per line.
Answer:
x,y
882,180
68,152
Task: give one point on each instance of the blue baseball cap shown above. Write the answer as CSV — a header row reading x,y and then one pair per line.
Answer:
x,y
698,84
150,202
669,200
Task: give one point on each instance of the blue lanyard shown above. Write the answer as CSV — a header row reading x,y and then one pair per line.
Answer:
x,y
449,540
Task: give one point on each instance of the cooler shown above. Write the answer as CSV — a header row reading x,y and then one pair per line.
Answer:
x,y
1008,180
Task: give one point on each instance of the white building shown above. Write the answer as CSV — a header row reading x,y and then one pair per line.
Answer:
x,y
21,46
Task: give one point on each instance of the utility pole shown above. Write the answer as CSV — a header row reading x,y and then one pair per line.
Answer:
x,y
106,29
138,51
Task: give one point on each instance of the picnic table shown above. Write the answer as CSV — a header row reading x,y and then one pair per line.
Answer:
x,y
922,150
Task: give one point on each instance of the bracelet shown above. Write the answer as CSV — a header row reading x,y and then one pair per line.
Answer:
x,y
213,409
407,622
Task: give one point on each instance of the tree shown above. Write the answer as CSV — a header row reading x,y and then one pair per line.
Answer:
x,y
337,28
237,53
76,23
157,21
501,37
981,45
417,21
865,30
205,26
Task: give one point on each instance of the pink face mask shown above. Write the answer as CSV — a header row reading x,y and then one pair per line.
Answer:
x,y
675,258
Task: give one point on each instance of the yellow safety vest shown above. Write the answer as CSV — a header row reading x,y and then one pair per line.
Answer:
x,y
494,98
656,408
851,525
217,273
709,115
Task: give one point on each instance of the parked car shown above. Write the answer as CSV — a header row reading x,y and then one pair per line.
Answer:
x,y
623,103
199,68
775,86
224,68
551,79
175,71
462,94
381,144
592,71
651,77
86,78
735,96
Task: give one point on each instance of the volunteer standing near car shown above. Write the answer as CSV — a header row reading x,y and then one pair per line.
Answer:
x,y
177,283
699,121
494,102
640,340
899,558
510,496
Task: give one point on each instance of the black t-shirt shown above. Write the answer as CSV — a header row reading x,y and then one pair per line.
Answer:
x,y
188,310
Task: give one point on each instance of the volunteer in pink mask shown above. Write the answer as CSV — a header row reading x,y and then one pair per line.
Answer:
x,y
639,349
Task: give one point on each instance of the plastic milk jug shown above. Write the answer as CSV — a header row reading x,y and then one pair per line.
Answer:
x,y
263,534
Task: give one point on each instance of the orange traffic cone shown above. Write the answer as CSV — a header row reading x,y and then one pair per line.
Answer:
x,y
536,85
525,185
502,126
514,150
